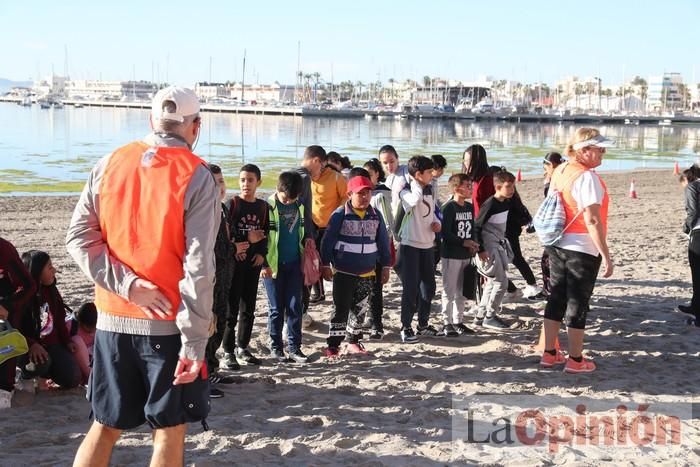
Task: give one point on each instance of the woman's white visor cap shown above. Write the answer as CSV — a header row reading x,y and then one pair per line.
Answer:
x,y
599,141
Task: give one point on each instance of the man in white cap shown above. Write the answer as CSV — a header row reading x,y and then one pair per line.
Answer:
x,y
143,231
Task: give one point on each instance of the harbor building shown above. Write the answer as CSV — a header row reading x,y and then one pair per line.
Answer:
x,y
110,90
52,85
207,91
665,92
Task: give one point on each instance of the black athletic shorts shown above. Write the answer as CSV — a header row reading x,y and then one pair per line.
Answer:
x,y
132,383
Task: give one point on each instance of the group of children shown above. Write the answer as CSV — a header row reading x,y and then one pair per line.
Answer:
x,y
390,218
387,216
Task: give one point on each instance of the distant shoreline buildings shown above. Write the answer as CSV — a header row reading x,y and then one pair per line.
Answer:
x,y
658,94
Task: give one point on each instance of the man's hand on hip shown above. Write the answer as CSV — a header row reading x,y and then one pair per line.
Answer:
x,y
150,299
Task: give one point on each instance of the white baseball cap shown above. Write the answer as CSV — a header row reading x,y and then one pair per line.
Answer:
x,y
186,104
599,141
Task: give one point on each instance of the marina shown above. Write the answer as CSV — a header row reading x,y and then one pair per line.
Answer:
x,y
52,150
314,111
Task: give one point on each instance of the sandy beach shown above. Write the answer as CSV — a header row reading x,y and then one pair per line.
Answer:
x,y
396,407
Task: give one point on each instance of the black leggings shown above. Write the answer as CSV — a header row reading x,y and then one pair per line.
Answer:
x,y
573,276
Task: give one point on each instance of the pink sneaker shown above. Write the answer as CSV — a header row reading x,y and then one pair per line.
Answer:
x,y
584,366
357,349
549,360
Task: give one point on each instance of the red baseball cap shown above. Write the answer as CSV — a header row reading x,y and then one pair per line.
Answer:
x,y
359,183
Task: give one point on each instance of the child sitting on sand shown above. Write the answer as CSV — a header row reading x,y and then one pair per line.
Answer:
x,y
82,326
44,326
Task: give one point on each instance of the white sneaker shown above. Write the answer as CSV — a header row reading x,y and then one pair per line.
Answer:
x,y
531,291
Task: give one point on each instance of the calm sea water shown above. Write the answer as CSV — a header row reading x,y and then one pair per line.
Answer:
x,y
41,146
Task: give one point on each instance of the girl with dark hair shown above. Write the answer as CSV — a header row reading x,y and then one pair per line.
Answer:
x,y
690,180
476,166
44,326
339,163
552,160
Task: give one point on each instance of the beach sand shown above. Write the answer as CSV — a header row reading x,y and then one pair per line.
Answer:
x,y
396,407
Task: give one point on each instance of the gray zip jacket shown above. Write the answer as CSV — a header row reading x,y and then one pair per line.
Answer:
x,y
202,218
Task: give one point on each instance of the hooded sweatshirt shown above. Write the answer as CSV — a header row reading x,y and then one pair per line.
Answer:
x,y
419,206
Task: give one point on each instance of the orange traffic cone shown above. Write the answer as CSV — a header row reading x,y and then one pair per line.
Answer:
x,y
519,177
676,169
540,346
633,191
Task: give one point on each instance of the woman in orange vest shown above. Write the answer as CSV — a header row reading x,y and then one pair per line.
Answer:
x,y
576,258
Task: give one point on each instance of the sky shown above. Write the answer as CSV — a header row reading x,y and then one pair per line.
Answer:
x,y
183,42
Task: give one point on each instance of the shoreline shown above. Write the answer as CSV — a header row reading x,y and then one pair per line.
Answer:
x,y
399,406
527,177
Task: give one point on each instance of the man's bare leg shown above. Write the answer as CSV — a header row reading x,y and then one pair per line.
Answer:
x,y
169,446
96,448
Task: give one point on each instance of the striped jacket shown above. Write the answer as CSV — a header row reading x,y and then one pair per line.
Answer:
x,y
355,245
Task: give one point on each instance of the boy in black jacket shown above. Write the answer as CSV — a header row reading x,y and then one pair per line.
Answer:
x,y
456,251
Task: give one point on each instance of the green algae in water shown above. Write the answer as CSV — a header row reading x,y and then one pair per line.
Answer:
x,y
41,187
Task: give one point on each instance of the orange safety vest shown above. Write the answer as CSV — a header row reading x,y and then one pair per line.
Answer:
x,y
563,179
142,218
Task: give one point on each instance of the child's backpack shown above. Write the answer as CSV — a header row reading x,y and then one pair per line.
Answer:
x,y
400,219
550,220
12,342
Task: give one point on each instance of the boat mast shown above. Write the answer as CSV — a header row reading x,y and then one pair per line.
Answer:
x,y
243,80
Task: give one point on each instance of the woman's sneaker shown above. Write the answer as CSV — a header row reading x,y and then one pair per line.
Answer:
x,y
494,322
548,360
428,331
408,336
376,334
584,366
449,331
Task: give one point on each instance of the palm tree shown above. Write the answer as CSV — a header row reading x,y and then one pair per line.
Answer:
x,y
359,85
578,90
427,80
316,77
391,82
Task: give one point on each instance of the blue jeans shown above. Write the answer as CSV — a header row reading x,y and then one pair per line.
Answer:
x,y
284,296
